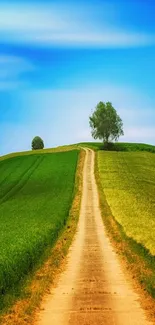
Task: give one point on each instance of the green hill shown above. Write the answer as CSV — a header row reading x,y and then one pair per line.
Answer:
x,y
36,193
119,146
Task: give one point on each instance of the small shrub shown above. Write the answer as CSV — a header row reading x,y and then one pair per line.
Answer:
x,y
37,143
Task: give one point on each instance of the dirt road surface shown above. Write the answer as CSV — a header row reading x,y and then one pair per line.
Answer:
x,y
92,290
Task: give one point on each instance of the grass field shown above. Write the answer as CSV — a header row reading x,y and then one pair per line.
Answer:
x,y
128,181
36,193
119,146
41,151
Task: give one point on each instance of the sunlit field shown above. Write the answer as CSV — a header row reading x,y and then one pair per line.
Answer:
x,y
128,181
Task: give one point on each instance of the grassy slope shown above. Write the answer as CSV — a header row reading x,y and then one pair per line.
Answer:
x,y
97,146
120,146
128,180
35,198
40,280
36,152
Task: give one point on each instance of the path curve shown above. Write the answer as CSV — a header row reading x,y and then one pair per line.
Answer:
x,y
92,290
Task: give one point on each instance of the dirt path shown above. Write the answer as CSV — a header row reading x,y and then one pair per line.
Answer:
x,y
93,289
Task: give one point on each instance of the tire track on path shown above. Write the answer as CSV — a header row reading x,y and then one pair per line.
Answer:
x,y
93,289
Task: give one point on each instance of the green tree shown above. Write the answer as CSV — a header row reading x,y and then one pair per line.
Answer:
x,y
105,123
37,143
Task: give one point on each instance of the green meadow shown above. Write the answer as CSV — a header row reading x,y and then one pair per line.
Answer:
x,y
128,181
119,146
36,193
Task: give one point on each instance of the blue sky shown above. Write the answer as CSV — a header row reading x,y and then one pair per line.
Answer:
x,y
58,59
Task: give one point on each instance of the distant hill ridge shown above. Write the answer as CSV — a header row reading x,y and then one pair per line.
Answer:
x,y
118,146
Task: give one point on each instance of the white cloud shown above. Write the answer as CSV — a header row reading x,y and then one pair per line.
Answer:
x,y
110,38
61,26
29,18
140,134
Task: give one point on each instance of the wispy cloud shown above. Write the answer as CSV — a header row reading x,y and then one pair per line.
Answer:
x,y
11,69
140,134
58,26
29,17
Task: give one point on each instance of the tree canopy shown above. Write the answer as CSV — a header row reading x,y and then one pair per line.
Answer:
x,y
37,143
105,123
